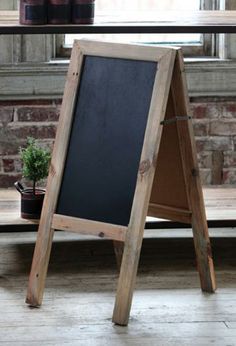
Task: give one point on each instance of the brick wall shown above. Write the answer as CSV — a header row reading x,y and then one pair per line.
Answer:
x,y
215,133
214,127
18,120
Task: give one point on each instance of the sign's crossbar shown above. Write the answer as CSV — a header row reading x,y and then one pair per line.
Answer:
x,y
175,119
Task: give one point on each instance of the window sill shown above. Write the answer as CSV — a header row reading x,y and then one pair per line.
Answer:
x,y
205,77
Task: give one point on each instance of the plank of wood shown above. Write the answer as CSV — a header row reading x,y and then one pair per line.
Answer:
x,y
192,180
100,229
45,232
170,213
141,200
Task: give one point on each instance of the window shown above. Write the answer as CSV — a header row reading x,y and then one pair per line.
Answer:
x,y
193,44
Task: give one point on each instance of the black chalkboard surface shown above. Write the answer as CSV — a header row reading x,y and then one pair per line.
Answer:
x,y
106,140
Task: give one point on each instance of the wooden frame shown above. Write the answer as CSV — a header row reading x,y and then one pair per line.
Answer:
x,y
169,92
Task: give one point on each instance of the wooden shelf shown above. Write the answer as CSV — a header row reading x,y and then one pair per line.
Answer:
x,y
220,209
157,22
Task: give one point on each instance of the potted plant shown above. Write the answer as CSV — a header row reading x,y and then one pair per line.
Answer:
x,y
35,162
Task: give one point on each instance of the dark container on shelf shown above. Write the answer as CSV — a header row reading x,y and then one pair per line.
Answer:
x,y
31,205
33,12
59,11
83,11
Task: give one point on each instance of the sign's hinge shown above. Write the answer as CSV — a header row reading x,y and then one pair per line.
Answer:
x,y
175,119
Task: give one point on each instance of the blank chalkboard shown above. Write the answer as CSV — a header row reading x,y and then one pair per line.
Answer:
x,y
106,139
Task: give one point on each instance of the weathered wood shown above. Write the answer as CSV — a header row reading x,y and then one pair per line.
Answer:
x,y
82,226
192,179
169,213
169,309
220,203
119,250
217,167
45,231
146,173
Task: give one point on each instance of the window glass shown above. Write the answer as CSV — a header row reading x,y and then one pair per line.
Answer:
x,y
114,7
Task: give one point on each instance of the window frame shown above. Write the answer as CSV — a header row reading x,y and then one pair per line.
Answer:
x,y
207,47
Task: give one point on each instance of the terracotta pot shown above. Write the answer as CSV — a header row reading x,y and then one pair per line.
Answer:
x,y
83,11
59,11
33,12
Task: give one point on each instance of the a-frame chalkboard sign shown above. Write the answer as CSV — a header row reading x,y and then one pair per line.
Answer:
x,y
124,149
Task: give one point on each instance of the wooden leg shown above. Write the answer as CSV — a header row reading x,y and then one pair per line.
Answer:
x,y
192,180
39,266
203,248
127,278
118,249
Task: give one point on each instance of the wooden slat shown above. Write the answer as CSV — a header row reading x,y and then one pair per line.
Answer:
x,y
141,200
82,226
192,179
156,22
169,213
45,232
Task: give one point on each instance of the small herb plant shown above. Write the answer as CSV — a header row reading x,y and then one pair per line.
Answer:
x,y
35,162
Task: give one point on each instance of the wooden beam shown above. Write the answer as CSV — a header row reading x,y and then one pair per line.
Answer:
x,y
133,242
82,226
192,179
169,213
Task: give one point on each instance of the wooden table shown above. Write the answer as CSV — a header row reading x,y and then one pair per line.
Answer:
x,y
159,22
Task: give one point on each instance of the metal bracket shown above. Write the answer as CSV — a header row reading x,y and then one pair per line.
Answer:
x,y
175,119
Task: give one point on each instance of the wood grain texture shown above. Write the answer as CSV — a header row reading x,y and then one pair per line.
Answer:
x,y
45,232
220,204
118,250
192,179
82,226
169,308
171,213
145,177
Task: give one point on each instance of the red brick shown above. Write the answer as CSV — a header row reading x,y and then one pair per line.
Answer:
x,y
229,176
37,114
230,159
214,110
200,128
7,180
11,147
6,115
223,127
198,111
206,110
38,132
8,165
229,110
214,143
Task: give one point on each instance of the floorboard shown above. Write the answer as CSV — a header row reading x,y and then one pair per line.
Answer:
x,y
168,309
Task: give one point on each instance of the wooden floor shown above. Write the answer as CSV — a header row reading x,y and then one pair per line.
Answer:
x,y
168,306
